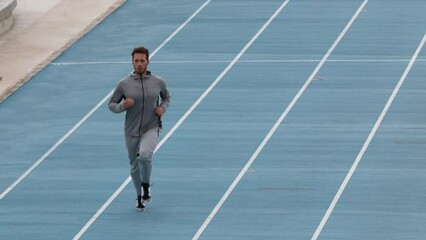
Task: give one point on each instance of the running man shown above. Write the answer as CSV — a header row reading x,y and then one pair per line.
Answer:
x,y
145,97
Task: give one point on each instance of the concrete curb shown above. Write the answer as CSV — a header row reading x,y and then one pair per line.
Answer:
x,y
13,77
6,9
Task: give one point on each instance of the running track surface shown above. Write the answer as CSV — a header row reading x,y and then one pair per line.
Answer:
x,y
297,119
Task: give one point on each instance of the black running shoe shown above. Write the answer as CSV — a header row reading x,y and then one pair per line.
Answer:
x,y
146,198
140,207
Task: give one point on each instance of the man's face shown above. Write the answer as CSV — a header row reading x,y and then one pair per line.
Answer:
x,y
140,63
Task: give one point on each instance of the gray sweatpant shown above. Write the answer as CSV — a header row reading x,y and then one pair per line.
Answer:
x,y
140,150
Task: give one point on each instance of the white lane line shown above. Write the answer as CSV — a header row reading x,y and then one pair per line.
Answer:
x,y
275,127
87,63
46,154
241,61
79,123
230,189
367,142
181,120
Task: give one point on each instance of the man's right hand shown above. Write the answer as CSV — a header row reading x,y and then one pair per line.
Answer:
x,y
128,102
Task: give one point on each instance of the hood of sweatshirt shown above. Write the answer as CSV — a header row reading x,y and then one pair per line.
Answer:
x,y
137,76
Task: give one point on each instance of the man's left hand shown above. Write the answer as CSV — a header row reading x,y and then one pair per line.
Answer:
x,y
159,111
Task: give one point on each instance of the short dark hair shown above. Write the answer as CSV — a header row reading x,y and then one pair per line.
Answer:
x,y
140,50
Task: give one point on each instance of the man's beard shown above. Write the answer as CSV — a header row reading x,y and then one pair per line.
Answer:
x,y
139,70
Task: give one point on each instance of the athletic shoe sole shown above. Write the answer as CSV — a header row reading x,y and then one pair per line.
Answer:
x,y
147,201
140,209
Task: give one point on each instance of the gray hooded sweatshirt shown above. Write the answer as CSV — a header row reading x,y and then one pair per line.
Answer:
x,y
147,93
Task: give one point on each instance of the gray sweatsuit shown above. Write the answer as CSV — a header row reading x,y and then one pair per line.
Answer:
x,y
142,125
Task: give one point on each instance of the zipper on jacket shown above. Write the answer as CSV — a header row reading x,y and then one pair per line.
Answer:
x,y
143,105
